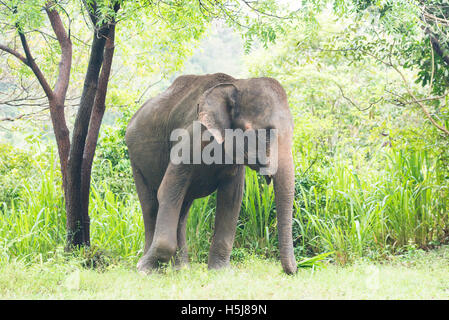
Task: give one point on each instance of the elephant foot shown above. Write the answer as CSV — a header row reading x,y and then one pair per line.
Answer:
x,y
146,265
181,259
219,254
217,264
154,259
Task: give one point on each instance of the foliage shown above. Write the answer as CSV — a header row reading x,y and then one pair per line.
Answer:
x,y
404,30
153,39
338,104
111,169
220,51
17,164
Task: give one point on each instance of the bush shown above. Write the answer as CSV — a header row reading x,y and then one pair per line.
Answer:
x,y
19,166
111,169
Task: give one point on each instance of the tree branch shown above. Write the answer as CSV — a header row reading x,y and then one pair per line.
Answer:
x,y
95,122
355,104
14,53
23,116
437,46
65,63
410,92
418,102
32,64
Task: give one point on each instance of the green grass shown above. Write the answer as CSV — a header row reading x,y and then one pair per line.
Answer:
x,y
417,275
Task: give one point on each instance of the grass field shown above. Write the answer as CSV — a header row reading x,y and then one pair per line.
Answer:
x,y
417,275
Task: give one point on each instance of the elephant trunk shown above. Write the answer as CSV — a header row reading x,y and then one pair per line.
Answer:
x,y
284,188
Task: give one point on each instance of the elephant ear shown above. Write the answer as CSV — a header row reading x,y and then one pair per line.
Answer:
x,y
215,108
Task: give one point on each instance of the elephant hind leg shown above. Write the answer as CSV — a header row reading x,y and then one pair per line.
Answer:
x,y
149,204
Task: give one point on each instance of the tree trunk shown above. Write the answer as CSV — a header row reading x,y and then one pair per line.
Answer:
x,y
62,136
94,127
77,221
86,129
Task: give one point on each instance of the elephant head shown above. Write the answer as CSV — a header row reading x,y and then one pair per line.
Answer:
x,y
253,104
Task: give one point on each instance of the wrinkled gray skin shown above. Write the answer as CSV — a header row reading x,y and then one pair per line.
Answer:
x,y
166,191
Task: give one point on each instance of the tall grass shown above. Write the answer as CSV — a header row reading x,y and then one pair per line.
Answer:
x,y
199,228
349,212
402,206
257,225
36,225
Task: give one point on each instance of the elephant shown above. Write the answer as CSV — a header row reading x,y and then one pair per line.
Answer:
x,y
167,189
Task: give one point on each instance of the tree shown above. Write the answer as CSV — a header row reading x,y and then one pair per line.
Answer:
x,y
406,34
186,20
75,156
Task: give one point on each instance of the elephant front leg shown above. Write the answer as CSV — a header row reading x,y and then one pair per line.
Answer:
x,y
170,198
229,201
